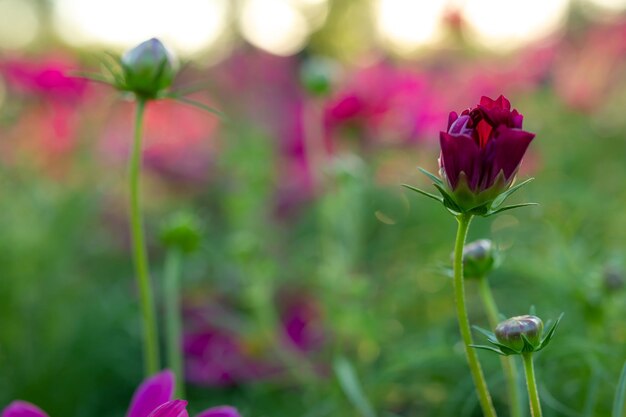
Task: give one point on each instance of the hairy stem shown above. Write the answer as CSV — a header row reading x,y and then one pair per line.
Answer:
x,y
508,362
140,258
173,318
464,325
531,384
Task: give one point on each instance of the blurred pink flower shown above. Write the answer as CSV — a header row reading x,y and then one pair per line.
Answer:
x,y
153,398
221,355
589,68
179,141
300,316
385,104
263,91
48,103
47,78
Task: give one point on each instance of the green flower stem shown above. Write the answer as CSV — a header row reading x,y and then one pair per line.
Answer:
x,y
173,319
508,363
140,258
464,325
531,384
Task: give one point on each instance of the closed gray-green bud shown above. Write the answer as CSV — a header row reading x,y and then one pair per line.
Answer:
x,y
479,258
510,331
148,68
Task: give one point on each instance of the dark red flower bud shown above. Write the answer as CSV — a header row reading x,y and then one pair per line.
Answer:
x,y
481,152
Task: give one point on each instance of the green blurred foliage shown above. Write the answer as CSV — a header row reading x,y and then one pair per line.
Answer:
x,y
370,253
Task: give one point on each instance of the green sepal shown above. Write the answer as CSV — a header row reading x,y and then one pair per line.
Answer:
x,y
485,332
194,103
448,201
92,76
548,337
500,199
528,346
483,204
511,207
432,176
427,194
489,348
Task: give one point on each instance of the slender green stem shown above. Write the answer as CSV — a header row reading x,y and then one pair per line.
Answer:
x,y
508,362
140,258
531,384
464,325
173,319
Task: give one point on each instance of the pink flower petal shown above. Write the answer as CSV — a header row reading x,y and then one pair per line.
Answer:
x,y
221,411
23,409
153,392
176,408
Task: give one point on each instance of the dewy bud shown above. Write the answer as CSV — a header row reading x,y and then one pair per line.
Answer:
x,y
479,258
510,332
148,68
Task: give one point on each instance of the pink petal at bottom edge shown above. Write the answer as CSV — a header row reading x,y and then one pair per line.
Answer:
x,y
221,411
23,409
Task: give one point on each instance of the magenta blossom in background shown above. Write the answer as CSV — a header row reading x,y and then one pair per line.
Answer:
x,y
47,78
153,398
226,355
481,151
386,105
181,142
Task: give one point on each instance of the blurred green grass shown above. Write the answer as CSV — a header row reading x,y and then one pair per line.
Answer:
x,y
68,315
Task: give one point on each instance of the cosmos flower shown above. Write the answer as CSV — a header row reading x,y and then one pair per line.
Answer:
x,y
481,152
153,398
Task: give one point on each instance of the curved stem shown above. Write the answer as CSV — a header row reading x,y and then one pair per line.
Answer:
x,y
173,319
464,325
508,362
531,384
140,258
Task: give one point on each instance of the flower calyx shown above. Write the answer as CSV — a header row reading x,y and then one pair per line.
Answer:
x,y
518,335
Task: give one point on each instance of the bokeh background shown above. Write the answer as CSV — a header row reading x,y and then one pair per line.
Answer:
x,y
320,286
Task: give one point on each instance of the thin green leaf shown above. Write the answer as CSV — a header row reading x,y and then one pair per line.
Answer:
x,y
514,206
593,390
550,333
485,332
500,199
447,199
528,346
417,190
620,395
505,349
489,348
350,385
115,72
432,176
193,88
196,104
91,76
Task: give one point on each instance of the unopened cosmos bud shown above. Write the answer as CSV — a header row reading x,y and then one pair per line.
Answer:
x,y
509,332
148,68
479,258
